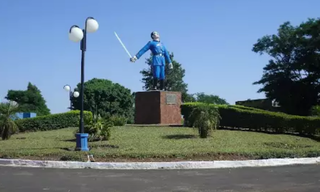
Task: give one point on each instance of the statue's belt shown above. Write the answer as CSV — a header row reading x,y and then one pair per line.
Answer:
x,y
158,54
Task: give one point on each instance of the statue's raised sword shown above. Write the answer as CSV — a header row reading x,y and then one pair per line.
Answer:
x,y
123,45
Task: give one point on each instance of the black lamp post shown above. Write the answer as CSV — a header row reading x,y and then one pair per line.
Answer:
x,y
72,94
76,34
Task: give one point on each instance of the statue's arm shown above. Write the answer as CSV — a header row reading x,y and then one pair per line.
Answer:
x,y
143,50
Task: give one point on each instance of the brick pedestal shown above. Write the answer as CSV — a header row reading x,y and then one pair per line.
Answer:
x,y
158,107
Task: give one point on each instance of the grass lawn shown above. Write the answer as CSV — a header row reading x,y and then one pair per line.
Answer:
x,y
159,144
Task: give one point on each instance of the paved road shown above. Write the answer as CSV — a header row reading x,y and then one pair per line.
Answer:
x,y
276,179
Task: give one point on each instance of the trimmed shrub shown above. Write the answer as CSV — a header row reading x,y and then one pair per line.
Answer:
x,y
258,120
245,108
51,122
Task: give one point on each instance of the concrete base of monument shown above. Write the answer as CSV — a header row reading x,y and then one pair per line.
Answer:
x,y
158,107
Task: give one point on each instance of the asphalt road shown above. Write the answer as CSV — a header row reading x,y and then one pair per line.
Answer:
x,y
275,179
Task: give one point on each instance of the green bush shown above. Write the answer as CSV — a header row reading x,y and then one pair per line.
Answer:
x,y
254,109
118,120
258,120
206,119
51,122
315,110
186,110
245,108
99,129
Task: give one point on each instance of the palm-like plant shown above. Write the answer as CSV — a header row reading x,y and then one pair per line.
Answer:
x,y
8,112
205,118
100,128
97,128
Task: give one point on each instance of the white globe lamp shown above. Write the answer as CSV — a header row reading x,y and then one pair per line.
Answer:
x,y
92,25
76,94
67,88
75,34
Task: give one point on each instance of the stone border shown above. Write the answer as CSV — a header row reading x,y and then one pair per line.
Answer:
x,y
158,165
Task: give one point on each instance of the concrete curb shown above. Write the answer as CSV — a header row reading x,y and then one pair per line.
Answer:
x,y
158,165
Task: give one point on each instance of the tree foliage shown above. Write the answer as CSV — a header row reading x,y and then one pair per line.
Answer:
x,y
188,97
105,98
30,100
205,98
174,77
291,76
213,99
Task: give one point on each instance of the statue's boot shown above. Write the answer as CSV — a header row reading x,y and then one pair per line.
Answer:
x,y
155,82
162,84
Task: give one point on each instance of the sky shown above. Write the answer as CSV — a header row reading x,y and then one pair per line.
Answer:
x,y
212,40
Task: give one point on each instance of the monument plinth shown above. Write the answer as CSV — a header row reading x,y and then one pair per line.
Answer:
x,y
158,107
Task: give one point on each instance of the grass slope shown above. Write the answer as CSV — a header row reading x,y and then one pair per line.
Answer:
x,y
159,144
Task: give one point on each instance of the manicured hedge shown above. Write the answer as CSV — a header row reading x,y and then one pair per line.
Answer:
x,y
51,122
235,116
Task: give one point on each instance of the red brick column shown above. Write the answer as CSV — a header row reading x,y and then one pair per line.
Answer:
x,y
158,107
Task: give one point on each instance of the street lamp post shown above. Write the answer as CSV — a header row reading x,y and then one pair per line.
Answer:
x,y
76,34
72,94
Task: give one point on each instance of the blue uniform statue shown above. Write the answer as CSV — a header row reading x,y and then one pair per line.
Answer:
x,y
159,57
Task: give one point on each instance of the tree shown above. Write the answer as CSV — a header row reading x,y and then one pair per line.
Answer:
x,y
187,97
291,77
204,98
30,100
8,112
105,98
174,78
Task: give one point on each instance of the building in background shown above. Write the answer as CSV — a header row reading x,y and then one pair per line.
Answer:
x,y
265,104
22,115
